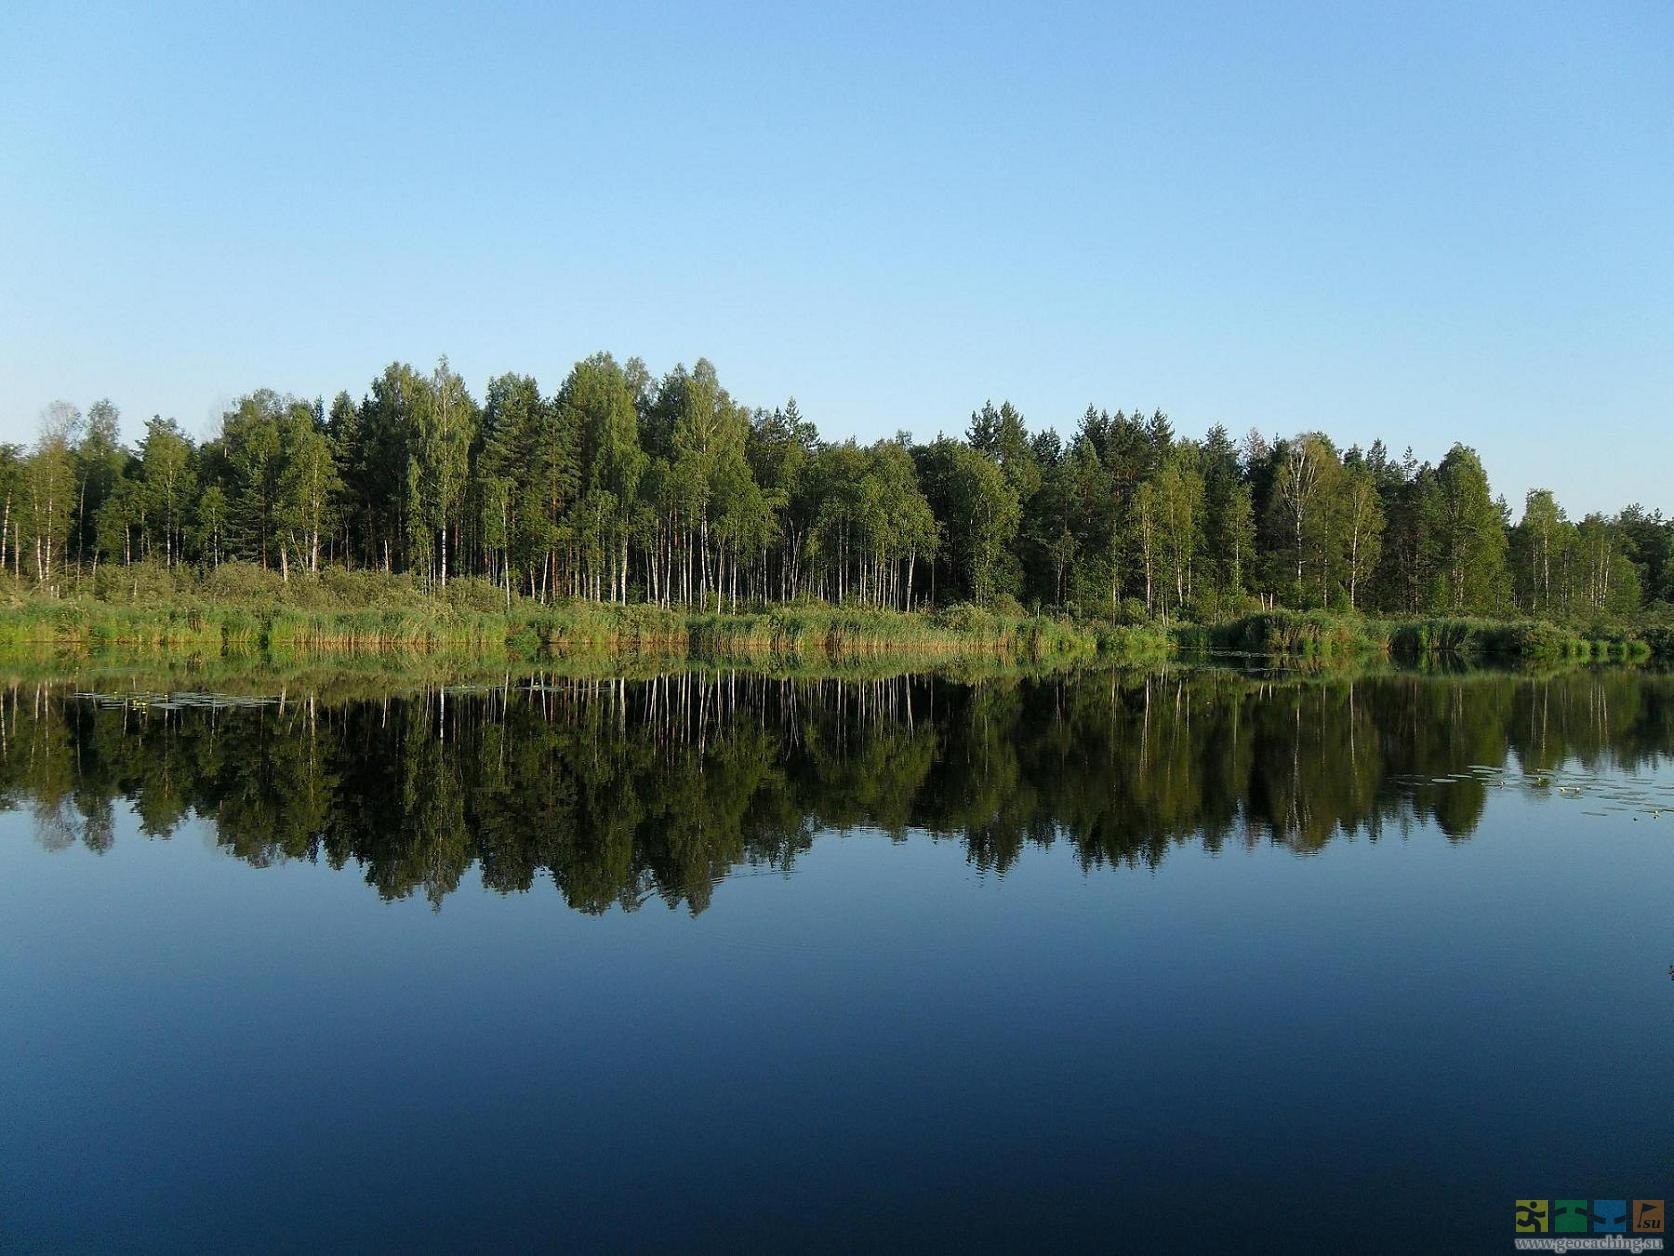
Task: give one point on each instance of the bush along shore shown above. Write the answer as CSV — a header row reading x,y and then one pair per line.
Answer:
x,y
1328,635
815,633
240,609
530,630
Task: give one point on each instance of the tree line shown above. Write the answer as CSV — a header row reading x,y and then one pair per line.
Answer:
x,y
619,486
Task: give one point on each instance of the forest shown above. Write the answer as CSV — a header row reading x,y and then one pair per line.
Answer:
x,y
621,487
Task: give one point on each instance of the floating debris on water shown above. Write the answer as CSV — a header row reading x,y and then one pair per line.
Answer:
x,y
1610,796
184,700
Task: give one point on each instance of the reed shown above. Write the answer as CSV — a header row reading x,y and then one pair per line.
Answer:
x,y
244,610
1298,634
1331,635
482,623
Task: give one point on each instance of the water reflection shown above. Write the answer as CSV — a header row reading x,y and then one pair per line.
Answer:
x,y
621,791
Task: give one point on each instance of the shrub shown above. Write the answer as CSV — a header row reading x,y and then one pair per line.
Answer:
x,y
1132,611
242,582
362,589
139,582
1005,604
1305,634
473,593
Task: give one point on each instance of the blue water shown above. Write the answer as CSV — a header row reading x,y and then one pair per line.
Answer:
x,y
1373,1045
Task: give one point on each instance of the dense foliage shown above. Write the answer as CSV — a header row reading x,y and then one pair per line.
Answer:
x,y
619,487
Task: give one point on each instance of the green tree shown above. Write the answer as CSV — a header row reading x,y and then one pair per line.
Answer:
x,y
1177,499
250,446
208,528
376,476
1468,535
1359,526
1228,532
99,460
1305,471
50,485
309,486
978,514
1648,540
12,492
598,405
781,448
1537,551
169,478
1607,579
440,465
120,516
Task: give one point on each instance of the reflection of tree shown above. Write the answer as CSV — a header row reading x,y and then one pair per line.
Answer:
x,y
624,790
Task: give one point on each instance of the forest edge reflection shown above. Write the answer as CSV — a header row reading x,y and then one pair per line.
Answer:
x,y
626,790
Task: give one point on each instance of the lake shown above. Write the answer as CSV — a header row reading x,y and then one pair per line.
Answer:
x,y
1188,960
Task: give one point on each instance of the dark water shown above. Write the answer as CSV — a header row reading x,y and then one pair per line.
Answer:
x,y
1182,962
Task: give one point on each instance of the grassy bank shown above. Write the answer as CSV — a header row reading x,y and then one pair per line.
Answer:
x,y
240,610
213,627
1329,635
342,676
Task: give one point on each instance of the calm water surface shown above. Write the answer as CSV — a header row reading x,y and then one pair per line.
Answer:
x,y
1193,961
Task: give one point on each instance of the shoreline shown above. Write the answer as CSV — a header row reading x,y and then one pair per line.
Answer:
x,y
531,632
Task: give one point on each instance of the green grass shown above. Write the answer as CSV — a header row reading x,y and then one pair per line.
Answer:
x,y
1334,635
252,615
240,608
1294,634
851,633
1524,639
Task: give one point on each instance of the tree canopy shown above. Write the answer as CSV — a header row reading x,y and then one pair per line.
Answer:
x,y
620,486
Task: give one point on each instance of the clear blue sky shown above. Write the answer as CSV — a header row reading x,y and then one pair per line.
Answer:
x,y
1427,222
